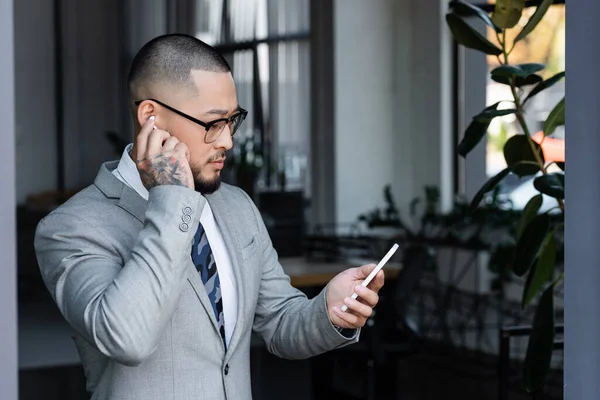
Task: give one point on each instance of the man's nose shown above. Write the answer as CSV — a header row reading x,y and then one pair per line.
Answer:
x,y
225,140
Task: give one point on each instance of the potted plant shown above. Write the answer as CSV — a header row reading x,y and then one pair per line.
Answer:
x,y
487,231
535,252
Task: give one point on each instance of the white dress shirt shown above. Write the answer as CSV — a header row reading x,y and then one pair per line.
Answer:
x,y
128,174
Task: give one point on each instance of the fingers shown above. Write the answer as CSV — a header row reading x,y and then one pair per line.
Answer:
x,y
368,296
358,308
141,141
365,270
183,149
377,282
155,142
170,143
351,320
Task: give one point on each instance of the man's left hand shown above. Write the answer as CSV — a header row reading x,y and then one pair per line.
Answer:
x,y
339,292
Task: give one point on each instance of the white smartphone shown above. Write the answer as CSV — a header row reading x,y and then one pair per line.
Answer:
x,y
377,268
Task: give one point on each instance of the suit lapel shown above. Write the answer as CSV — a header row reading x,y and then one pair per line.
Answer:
x,y
113,188
230,236
133,203
194,279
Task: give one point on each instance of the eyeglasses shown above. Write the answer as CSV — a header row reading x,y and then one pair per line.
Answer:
x,y
213,128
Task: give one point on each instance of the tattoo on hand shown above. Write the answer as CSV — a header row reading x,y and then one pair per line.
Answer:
x,y
162,169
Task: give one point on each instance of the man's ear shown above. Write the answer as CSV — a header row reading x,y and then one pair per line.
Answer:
x,y
144,111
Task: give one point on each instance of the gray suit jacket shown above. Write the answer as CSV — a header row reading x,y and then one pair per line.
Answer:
x,y
120,271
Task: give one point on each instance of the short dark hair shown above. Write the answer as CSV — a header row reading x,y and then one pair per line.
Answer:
x,y
169,59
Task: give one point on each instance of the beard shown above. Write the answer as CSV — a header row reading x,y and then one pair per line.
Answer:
x,y
205,186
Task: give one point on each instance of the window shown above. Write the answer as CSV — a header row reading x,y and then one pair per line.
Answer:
x,y
267,44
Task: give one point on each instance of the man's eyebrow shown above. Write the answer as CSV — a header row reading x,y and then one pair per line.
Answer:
x,y
220,111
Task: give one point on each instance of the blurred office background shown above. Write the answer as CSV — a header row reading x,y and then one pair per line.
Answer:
x,y
356,108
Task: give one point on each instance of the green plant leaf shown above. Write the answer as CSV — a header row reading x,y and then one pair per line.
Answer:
x,y
551,184
488,186
519,80
478,128
464,34
529,212
544,85
465,9
507,12
529,244
537,16
542,271
522,70
491,114
556,118
541,342
523,74
528,280
518,149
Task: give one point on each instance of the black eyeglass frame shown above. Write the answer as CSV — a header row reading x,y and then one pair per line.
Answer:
x,y
206,125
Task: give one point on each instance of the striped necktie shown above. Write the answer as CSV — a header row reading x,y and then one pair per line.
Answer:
x,y
206,266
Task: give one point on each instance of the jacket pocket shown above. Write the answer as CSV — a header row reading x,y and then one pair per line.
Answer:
x,y
250,248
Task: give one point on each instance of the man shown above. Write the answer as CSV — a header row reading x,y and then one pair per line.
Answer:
x,y
162,271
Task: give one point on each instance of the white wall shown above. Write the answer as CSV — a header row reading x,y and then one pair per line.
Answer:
x,y
364,140
34,97
391,97
8,295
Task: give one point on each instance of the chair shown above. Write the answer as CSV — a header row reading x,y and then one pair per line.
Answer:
x,y
506,334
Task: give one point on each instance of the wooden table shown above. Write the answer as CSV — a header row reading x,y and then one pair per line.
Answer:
x,y
304,273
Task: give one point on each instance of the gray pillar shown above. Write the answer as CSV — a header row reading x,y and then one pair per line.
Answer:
x,y
322,113
582,263
8,282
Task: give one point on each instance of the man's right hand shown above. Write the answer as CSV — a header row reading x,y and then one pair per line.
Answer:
x,y
161,159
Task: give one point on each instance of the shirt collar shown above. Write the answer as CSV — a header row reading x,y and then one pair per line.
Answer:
x,y
128,171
